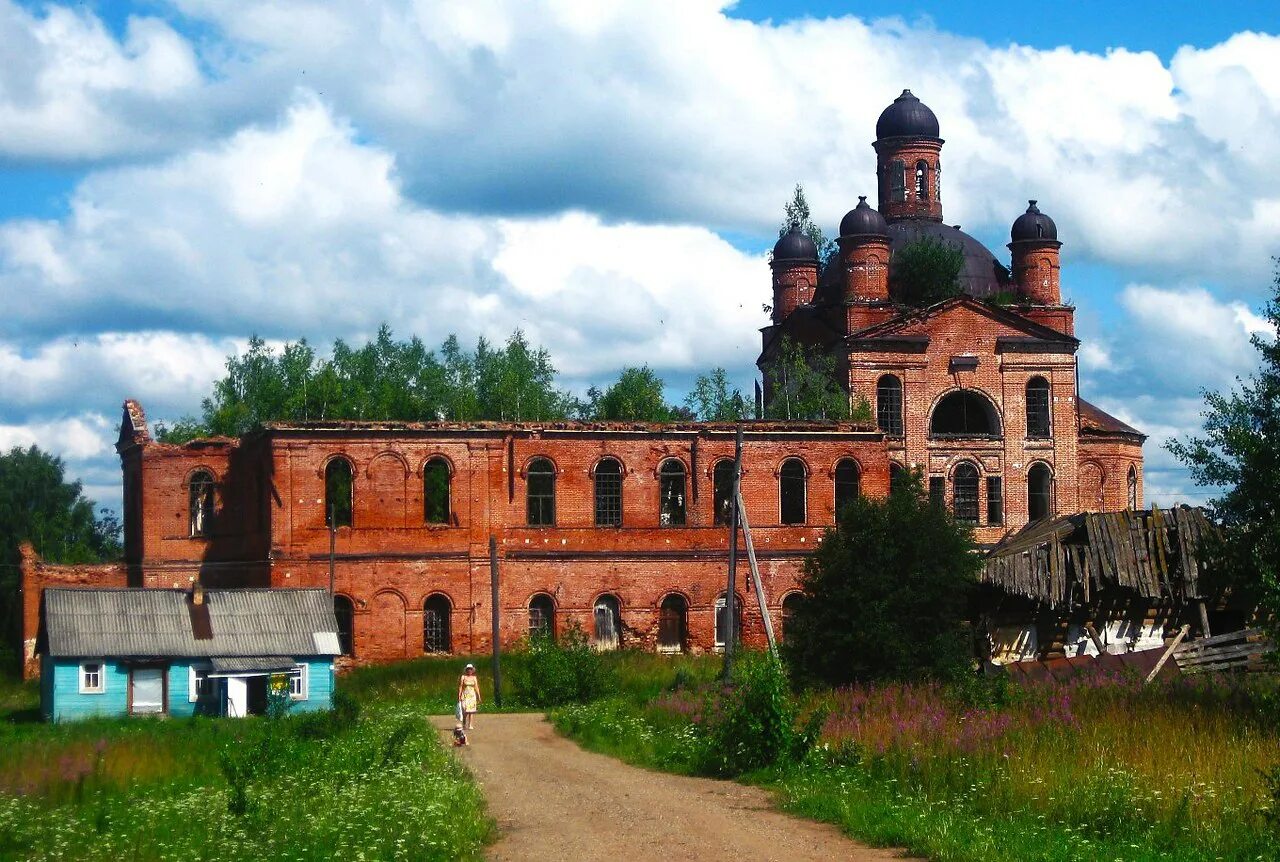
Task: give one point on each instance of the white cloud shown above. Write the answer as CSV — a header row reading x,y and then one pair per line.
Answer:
x,y
78,438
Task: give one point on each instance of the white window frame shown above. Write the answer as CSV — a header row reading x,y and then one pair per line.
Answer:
x,y
193,679
101,687
300,674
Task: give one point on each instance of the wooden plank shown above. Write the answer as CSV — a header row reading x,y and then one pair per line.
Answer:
x,y
1218,654
1155,671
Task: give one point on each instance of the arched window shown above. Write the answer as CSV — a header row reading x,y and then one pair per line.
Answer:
x,y
435,491
722,619
542,616
964,413
1133,488
722,491
790,604
922,181
1039,492
791,491
200,502
608,481
673,624
889,405
1038,423
671,493
345,613
897,476
437,635
608,623
338,493
964,490
540,489
848,483
897,180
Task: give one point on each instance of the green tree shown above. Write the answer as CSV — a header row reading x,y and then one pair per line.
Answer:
x,y
885,594
1239,454
712,400
926,271
797,214
804,383
638,394
38,505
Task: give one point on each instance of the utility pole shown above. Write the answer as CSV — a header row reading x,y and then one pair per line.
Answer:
x,y
730,593
495,626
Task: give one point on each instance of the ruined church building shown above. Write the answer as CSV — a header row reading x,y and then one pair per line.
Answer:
x,y
620,528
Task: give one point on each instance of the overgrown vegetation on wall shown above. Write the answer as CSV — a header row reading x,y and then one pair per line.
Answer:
x,y
926,271
804,384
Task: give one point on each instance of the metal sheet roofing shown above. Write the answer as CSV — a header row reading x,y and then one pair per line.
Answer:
x,y
155,623
245,664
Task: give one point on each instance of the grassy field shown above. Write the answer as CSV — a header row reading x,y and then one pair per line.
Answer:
x,y
1099,767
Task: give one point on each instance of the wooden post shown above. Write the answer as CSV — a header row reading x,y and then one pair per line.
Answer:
x,y
1204,621
1155,671
731,592
755,579
1093,636
496,627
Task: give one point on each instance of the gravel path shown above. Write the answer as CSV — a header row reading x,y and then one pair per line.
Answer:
x,y
553,800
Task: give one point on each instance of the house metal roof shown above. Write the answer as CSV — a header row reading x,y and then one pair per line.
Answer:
x,y
159,623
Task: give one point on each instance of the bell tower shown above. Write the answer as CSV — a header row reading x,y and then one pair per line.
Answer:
x,y
909,160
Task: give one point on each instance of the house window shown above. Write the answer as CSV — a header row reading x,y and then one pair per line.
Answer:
x,y
541,493
1039,492
673,624
848,483
965,493
722,491
298,682
199,686
722,620
338,493
435,491
995,501
542,616
437,635
92,677
671,478
922,181
608,493
938,491
1038,424
200,502
964,413
1133,488
345,613
608,623
889,405
791,491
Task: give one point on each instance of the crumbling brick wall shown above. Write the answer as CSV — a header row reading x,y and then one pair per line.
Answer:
x,y
36,575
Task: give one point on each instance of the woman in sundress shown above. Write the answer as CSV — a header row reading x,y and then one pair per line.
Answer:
x,y
469,696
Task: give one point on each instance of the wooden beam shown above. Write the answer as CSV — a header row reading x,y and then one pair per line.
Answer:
x,y
1155,671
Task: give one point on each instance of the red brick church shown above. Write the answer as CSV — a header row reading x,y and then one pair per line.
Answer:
x,y
621,528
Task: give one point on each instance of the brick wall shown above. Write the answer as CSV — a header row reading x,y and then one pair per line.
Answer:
x,y
36,575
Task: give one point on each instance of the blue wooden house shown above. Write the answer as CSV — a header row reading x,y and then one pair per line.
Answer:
x,y
115,652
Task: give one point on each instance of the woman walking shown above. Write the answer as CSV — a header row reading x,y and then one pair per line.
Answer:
x,y
469,696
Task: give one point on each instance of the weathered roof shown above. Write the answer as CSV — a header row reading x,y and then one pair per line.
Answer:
x,y
155,623
245,664
1099,421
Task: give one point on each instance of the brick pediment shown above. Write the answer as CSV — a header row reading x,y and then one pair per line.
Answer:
x,y
1009,330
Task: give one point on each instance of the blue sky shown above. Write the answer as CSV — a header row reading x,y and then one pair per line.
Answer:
x,y
175,176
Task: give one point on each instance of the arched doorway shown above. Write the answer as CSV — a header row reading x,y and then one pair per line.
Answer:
x,y
437,633
608,623
673,624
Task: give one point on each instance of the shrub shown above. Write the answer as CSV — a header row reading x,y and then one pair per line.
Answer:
x,y
559,672
926,271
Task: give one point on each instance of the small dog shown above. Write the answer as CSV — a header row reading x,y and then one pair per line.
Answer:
x,y
460,735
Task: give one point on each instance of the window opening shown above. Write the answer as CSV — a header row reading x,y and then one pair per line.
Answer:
x,y
889,405
671,480
1038,424
298,682
790,605
897,180
435,491
608,623
345,613
897,475
91,678
542,616
437,634
938,491
791,490
338,493
200,502
1039,492
995,501
541,493
965,493
608,481
848,483
922,181
722,492
1133,488
964,413
673,619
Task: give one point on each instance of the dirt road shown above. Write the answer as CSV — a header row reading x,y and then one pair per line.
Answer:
x,y
555,801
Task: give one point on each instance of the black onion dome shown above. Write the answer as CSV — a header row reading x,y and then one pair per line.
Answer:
x,y
907,117
795,245
1033,224
863,219
981,276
